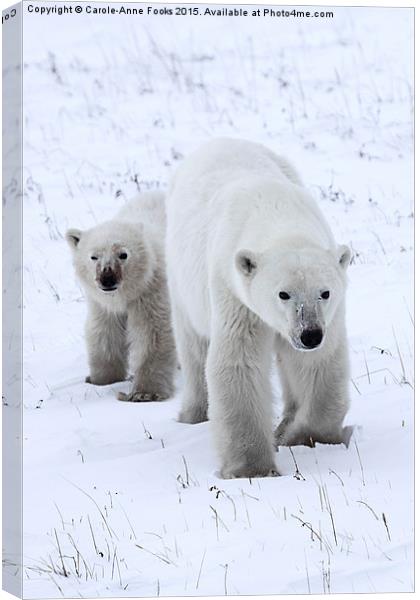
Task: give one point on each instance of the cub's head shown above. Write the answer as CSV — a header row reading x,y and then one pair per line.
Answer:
x,y
112,260
296,291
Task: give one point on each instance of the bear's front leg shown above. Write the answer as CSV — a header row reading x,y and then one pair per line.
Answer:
x,y
152,347
106,344
240,397
323,399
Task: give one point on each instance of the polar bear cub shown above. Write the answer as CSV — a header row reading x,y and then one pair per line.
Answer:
x,y
254,272
121,267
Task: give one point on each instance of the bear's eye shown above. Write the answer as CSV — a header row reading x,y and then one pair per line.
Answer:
x,y
93,258
325,295
284,296
123,256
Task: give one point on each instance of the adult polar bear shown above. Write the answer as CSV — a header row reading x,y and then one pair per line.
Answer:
x,y
253,270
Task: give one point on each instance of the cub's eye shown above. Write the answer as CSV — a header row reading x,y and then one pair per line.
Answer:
x,y
123,256
325,295
93,258
284,296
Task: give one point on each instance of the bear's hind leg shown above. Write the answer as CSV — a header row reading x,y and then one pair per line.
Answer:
x,y
192,351
107,346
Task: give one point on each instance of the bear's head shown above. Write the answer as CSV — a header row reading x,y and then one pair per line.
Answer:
x,y
297,291
112,261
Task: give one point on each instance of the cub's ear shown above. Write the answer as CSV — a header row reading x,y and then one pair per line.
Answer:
x,y
344,256
73,237
246,263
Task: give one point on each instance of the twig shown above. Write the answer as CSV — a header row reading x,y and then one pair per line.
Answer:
x,y
54,581
61,516
313,531
93,537
367,369
187,475
128,520
201,567
386,525
369,507
226,566
401,360
307,574
338,476
217,521
360,462
61,556
298,475
357,389
110,531
329,510
166,561
246,508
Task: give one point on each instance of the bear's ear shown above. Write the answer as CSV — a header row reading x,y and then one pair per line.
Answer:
x,y
344,256
246,263
73,237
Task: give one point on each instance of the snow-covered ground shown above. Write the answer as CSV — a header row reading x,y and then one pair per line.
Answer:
x,y
120,499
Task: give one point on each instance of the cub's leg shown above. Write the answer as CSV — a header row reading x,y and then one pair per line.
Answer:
x,y
240,397
322,404
192,352
152,346
106,344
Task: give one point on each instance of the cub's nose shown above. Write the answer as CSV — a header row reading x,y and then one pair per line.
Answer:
x,y
108,279
311,338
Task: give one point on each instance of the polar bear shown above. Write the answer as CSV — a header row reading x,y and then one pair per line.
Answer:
x,y
120,265
254,272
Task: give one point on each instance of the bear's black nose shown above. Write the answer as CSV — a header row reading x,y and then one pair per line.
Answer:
x,y
108,279
311,338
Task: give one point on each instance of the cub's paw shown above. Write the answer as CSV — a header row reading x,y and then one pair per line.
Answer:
x,y
248,472
140,397
96,380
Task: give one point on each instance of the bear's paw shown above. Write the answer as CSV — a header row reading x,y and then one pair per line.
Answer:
x,y
140,397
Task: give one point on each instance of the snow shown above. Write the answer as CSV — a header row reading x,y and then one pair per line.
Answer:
x,y
120,499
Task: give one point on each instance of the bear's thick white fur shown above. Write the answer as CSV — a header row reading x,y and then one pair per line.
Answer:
x,y
241,228
121,267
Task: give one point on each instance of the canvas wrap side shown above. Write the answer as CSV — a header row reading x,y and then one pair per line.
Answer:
x,y
12,411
